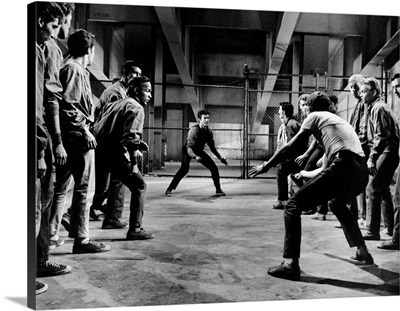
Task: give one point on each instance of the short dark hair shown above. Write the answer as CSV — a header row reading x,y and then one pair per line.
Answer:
x,y
127,67
202,112
287,108
49,11
79,42
396,76
319,101
136,83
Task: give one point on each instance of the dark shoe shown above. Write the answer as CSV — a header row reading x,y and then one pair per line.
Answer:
x,y
90,247
220,193
279,205
389,244
65,221
168,193
93,216
113,224
285,271
41,287
141,235
53,244
51,269
372,237
365,259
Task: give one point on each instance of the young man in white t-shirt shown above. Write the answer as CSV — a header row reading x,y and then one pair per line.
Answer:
x,y
342,176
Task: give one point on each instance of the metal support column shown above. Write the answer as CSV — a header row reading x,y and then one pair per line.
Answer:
x,y
246,124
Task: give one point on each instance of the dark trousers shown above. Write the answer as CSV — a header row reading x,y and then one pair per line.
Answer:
x,y
341,181
184,169
396,203
46,199
379,197
284,170
110,188
122,171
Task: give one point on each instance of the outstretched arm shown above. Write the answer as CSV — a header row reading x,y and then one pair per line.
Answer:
x,y
282,154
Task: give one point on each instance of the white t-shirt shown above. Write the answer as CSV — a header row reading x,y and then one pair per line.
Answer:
x,y
333,133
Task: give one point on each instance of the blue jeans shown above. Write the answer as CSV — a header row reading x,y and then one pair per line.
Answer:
x,y
184,169
339,183
80,165
379,198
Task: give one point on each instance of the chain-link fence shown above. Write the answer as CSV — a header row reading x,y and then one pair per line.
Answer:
x,y
172,113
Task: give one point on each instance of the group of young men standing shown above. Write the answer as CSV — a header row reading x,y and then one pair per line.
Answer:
x,y
73,142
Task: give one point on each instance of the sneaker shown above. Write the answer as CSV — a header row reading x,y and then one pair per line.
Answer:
x,y
91,247
56,243
387,231
362,222
93,216
310,212
41,287
113,224
65,221
318,216
220,193
365,259
168,193
280,206
141,235
50,268
285,271
389,244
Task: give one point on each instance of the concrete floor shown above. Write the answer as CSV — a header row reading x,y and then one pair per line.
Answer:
x,y
213,250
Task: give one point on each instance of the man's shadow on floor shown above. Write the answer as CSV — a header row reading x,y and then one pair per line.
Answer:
x,y
384,289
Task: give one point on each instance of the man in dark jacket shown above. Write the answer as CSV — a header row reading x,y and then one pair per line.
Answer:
x,y
199,135
119,131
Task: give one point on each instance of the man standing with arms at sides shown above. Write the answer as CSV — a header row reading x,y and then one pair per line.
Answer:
x,y
79,142
119,145
48,16
381,134
199,135
113,190
355,118
288,129
342,176
393,244
53,91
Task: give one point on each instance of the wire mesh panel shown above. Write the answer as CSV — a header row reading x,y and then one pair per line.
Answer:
x,y
175,114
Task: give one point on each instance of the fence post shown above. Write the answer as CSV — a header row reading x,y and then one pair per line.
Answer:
x,y
246,123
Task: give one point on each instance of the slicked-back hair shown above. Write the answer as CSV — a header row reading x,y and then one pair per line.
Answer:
x,y
356,79
79,42
319,101
202,112
128,66
49,11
